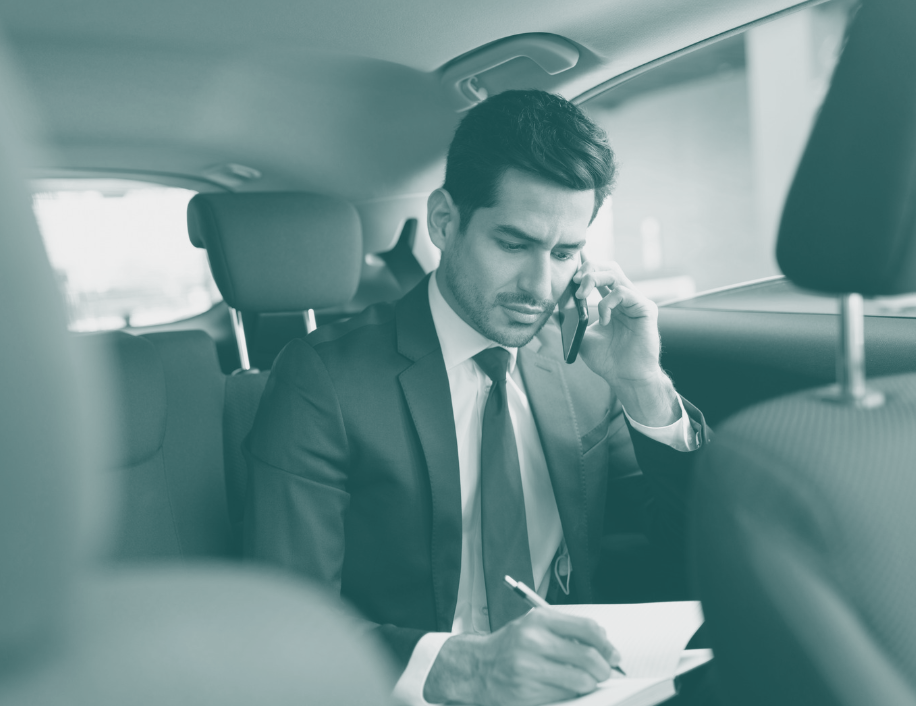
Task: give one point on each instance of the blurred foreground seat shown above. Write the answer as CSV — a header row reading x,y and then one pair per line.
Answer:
x,y
804,522
74,632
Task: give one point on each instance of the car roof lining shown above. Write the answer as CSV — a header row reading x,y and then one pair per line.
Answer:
x,y
304,93
409,32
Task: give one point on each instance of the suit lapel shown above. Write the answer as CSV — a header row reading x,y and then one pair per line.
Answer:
x,y
555,418
426,388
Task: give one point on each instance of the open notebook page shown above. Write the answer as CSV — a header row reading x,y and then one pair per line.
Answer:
x,y
649,636
620,691
691,659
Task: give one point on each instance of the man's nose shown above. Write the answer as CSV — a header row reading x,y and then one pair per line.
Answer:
x,y
535,279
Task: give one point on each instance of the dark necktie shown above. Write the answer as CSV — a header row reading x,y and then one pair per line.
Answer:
x,y
504,526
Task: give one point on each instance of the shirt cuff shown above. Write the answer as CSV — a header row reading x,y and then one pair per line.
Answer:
x,y
682,435
409,689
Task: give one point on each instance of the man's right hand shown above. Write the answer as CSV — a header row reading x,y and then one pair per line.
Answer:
x,y
543,656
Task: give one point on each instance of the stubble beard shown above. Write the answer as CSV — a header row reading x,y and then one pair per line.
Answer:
x,y
479,311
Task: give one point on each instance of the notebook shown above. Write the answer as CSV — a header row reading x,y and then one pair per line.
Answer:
x,y
651,638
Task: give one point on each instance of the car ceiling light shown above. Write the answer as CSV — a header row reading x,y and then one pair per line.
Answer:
x,y
231,175
460,77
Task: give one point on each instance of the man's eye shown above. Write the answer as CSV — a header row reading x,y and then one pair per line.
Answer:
x,y
563,256
511,247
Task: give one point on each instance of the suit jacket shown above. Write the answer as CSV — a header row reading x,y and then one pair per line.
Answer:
x,y
353,466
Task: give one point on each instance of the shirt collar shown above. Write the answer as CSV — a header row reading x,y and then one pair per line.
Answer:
x,y
459,341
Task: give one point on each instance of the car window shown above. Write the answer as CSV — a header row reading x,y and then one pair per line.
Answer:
x,y
707,145
121,253
778,295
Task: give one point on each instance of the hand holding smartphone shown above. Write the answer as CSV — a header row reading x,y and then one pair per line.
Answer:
x,y
573,321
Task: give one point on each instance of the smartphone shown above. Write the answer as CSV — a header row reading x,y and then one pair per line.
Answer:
x,y
573,321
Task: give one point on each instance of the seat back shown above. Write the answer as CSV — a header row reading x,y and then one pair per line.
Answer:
x,y
271,253
243,393
169,406
151,636
193,442
803,530
803,521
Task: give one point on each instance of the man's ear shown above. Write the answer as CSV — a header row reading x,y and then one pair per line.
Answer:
x,y
442,217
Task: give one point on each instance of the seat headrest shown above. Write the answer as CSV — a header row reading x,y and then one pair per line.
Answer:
x,y
138,393
277,252
849,223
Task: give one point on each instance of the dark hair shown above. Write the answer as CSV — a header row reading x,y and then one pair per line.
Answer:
x,y
533,131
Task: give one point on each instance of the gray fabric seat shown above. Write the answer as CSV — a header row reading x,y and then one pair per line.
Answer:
x,y
271,253
243,394
182,421
77,633
805,526
803,520
169,395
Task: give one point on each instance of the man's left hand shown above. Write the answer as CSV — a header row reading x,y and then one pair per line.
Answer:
x,y
624,346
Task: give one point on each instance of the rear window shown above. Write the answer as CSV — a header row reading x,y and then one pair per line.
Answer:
x,y
121,253
707,145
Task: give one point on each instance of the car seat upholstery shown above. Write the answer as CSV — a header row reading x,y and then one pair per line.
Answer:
x,y
169,459
275,252
76,632
38,433
803,521
272,253
243,394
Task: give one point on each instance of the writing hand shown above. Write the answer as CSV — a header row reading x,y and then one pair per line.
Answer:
x,y
541,657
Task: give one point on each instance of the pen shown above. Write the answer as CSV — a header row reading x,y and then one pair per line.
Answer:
x,y
535,601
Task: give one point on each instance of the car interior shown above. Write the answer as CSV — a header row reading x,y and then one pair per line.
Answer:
x,y
211,180
78,626
811,537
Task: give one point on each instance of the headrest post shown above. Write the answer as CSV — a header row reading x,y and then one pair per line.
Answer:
x,y
850,360
239,329
310,324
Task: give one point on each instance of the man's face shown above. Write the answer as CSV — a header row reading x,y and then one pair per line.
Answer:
x,y
504,273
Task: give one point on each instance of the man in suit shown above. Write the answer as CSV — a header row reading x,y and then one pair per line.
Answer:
x,y
416,453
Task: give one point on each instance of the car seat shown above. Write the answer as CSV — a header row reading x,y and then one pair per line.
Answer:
x,y
803,522
271,253
76,631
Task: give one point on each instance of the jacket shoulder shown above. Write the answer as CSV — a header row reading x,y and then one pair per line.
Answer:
x,y
363,325
357,351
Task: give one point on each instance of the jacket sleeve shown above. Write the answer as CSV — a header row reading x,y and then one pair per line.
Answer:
x,y
296,499
649,483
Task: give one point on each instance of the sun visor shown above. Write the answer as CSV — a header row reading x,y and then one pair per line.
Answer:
x,y
276,252
849,223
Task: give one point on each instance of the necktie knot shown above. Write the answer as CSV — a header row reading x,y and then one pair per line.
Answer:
x,y
494,362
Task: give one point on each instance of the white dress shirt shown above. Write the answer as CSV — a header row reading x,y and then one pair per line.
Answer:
x,y
469,387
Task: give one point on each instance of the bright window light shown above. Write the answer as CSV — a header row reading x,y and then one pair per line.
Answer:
x,y
121,253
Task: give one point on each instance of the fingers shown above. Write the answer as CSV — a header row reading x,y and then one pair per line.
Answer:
x,y
542,657
616,290
627,300
591,276
567,677
578,655
582,630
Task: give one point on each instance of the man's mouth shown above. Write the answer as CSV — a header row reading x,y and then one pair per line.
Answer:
x,y
523,314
